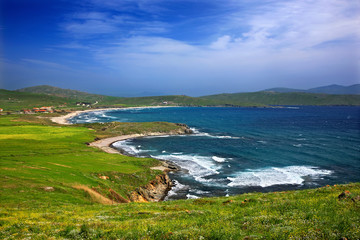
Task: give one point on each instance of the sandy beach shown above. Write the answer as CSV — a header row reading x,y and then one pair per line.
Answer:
x,y
105,144
64,119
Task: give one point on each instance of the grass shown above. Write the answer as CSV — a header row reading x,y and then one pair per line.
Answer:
x,y
36,154
306,214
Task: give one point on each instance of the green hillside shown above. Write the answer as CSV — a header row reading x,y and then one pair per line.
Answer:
x,y
293,98
51,188
47,95
64,93
102,100
14,101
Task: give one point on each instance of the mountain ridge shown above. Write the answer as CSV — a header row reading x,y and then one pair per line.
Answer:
x,y
250,99
329,89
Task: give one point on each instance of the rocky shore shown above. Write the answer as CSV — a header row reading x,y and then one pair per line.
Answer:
x,y
157,189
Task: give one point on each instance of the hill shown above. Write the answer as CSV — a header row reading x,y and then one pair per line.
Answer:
x,y
66,93
54,186
292,98
331,89
14,101
48,95
336,89
172,100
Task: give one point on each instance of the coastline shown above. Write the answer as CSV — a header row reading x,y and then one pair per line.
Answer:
x,y
105,145
64,119
155,190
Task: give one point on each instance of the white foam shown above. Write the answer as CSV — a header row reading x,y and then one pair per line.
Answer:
x,y
177,187
127,147
197,166
293,175
189,196
197,191
196,132
218,159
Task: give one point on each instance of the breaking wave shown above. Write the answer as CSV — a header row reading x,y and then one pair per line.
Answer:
x,y
291,175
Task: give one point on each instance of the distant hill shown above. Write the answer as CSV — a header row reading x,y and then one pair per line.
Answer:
x,y
61,92
283,90
288,98
331,89
336,89
177,100
48,95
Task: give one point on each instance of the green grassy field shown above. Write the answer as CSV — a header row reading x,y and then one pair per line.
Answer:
x,y
35,156
45,169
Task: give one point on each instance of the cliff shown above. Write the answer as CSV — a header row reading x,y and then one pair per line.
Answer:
x,y
154,191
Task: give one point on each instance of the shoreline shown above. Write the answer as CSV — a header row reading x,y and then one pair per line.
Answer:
x,y
106,146
155,190
64,119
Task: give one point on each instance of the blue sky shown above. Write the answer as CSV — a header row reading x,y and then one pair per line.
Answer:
x,y
192,47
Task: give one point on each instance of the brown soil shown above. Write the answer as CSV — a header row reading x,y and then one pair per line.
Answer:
x,y
96,197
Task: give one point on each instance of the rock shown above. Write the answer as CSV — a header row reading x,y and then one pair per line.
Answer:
x,y
104,177
188,131
154,191
170,165
343,195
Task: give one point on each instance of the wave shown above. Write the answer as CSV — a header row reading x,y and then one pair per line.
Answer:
x,y
218,159
291,175
196,132
197,166
176,188
127,147
189,196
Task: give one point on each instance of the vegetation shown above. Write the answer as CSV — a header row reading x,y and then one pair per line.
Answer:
x,y
36,155
14,101
40,95
293,98
55,186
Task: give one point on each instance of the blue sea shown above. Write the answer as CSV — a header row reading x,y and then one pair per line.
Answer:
x,y
237,150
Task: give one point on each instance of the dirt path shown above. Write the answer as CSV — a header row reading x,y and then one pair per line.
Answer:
x,y
97,197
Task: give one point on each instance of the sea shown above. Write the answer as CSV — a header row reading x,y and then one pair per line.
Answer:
x,y
238,150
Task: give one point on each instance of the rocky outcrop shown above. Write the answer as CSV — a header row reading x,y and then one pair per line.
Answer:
x,y
154,191
184,129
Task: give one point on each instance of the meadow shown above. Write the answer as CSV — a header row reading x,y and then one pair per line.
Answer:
x,y
51,189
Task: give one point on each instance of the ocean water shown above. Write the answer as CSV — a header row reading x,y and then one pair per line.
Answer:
x,y
237,150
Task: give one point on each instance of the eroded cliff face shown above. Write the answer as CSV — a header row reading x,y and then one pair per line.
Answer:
x,y
154,191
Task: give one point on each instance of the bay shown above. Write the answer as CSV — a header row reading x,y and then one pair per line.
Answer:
x,y
237,150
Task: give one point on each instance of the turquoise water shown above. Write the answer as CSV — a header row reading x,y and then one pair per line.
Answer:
x,y
236,150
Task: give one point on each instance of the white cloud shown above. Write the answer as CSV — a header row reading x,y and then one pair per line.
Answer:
x,y
300,24
276,42
221,42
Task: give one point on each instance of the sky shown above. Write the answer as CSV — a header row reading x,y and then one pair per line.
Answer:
x,y
191,47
